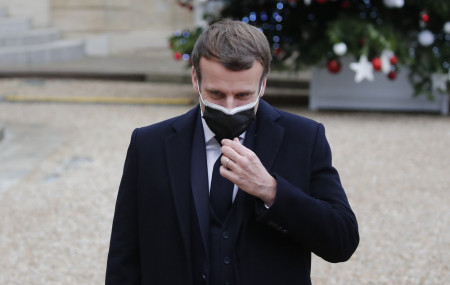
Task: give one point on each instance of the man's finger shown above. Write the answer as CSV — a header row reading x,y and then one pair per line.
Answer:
x,y
231,153
236,146
226,161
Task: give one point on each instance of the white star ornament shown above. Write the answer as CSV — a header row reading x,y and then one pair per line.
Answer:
x,y
363,69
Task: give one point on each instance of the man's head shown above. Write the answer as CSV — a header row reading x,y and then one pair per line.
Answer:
x,y
233,44
230,65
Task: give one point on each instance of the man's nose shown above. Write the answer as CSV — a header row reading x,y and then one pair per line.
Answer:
x,y
229,102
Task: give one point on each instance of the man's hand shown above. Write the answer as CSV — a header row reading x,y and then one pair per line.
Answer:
x,y
241,166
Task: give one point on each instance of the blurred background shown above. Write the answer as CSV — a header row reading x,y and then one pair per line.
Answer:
x,y
76,77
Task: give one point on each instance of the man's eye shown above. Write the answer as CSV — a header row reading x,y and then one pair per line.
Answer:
x,y
216,93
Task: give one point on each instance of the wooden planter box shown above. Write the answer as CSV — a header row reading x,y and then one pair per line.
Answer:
x,y
339,91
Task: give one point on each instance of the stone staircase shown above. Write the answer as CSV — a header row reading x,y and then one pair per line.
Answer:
x,y
20,43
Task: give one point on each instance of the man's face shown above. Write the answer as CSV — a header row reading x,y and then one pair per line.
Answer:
x,y
227,88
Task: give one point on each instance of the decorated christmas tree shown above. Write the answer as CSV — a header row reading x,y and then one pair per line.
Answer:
x,y
381,36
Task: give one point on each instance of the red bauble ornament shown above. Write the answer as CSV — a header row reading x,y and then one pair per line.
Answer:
x,y
425,17
394,60
322,1
334,66
376,63
177,55
392,75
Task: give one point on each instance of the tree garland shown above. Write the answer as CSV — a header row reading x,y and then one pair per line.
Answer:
x,y
380,35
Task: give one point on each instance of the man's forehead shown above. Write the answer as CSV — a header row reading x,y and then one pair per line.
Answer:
x,y
243,89
216,62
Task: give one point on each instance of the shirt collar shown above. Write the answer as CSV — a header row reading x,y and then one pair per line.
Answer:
x,y
209,135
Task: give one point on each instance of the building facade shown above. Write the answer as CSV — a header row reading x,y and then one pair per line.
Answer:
x,y
107,26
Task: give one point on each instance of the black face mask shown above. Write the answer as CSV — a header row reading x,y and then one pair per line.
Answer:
x,y
226,126
226,123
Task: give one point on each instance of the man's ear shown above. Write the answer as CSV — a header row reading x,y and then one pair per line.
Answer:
x,y
194,80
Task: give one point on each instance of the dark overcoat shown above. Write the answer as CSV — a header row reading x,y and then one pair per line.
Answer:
x,y
162,206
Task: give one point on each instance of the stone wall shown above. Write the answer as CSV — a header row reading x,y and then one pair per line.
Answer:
x,y
108,26
113,26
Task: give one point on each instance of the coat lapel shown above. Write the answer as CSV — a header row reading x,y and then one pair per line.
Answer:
x,y
178,151
264,137
268,136
199,182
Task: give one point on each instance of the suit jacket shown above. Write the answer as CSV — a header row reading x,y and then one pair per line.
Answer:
x,y
163,201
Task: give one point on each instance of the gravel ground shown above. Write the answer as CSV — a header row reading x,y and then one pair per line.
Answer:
x,y
55,221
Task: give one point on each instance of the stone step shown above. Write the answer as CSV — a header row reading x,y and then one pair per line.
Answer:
x,y
14,25
30,37
60,50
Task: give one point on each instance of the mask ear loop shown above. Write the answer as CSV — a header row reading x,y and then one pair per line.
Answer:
x,y
198,85
260,90
200,93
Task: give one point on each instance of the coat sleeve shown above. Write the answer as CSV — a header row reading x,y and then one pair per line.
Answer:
x,y
320,219
123,258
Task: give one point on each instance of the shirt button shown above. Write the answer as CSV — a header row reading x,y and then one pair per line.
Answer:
x,y
225,235
226,260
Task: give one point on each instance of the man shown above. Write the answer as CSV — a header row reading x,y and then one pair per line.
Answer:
x,y
179,219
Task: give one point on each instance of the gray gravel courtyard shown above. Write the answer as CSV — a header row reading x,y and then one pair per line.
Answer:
x,y
61,164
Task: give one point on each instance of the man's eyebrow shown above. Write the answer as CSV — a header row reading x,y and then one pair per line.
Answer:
x,y
213,89
245,91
